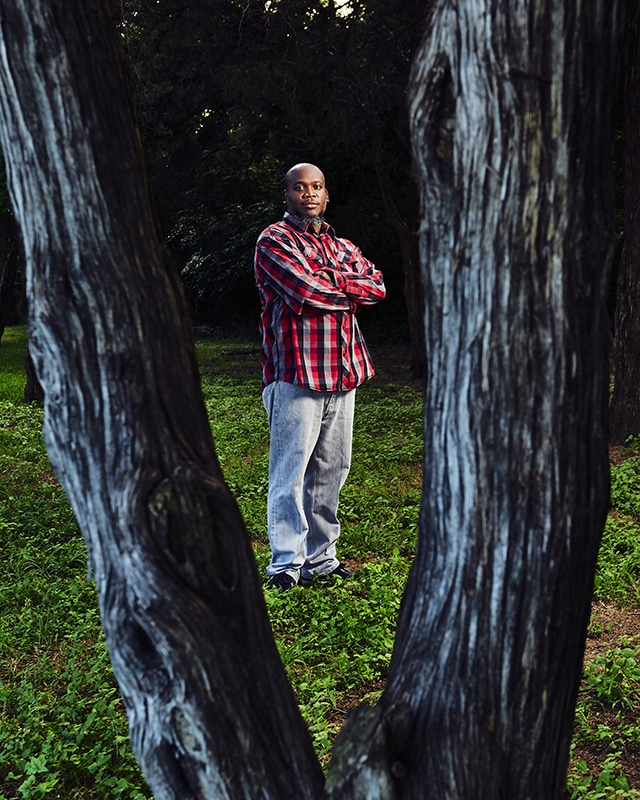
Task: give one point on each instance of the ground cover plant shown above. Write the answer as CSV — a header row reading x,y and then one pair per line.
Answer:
x,y
63,732
606,746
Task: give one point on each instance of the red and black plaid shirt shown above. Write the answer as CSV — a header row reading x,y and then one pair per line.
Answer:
x,y
310,334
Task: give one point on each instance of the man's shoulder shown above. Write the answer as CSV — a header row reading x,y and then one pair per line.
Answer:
x,y
276,230
280,225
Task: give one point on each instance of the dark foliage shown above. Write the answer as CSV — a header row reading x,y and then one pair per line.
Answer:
x,y
230,94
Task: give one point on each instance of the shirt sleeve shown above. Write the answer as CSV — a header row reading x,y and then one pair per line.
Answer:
x,y
282,266
358,278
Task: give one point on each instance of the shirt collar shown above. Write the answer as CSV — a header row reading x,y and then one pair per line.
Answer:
x,y
306,227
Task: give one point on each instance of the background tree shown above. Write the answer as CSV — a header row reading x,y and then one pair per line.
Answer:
x,y
625,402
230,94
511,136
12,295
8,255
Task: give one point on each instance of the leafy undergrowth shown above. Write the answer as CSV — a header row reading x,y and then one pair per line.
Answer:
x,y
606,746
63,731
62,728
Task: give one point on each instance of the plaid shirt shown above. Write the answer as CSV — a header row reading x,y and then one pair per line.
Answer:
x,y
308,324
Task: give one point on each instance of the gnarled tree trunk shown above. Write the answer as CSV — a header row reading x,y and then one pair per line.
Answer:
x,y
210,709
510,123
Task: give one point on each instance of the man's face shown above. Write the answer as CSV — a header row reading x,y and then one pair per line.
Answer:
x,y
306,194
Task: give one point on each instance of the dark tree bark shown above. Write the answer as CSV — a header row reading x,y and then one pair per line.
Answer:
x,y
510,137
511,129
625,403
210,709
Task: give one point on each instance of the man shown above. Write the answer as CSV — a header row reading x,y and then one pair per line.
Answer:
x,y
313,356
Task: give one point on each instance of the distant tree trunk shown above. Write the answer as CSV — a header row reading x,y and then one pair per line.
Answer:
x,y
511,127
510,141
414,299
625,403
8,270
8,273
387,174
210,709
33,391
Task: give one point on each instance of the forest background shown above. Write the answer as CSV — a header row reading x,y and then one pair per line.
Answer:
x,y
229,95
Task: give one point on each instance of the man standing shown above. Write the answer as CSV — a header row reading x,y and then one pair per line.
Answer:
x,y
313,356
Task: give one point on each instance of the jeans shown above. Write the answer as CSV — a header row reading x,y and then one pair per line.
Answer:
x,y
309,459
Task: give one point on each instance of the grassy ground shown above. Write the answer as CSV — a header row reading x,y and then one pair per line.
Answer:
x,y
62,728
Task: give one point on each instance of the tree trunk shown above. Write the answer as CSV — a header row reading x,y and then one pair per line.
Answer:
x,y
8,269
33,391
210,710
510,123
625,403
414,299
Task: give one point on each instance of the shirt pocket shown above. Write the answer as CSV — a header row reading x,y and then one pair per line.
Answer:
x,y
345,261
315,258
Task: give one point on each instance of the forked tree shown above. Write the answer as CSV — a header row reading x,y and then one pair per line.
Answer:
x,y
510,128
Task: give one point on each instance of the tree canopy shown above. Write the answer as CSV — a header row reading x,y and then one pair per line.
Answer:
x,y
230,94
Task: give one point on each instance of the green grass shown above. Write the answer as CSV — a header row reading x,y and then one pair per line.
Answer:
x,y
63,732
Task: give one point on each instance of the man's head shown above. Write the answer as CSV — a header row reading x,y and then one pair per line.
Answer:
x,y
305,194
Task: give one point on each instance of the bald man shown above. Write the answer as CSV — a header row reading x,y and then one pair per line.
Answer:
x,y
311,284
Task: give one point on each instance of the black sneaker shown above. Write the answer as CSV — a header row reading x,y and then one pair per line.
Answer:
x,y
282,581
341,571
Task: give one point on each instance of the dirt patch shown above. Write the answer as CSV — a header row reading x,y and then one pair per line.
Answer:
x,y
608,625
618,454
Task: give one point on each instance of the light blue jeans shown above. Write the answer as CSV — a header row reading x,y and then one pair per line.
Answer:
x,y
309,459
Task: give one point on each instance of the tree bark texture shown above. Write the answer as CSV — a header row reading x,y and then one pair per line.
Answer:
x,y
510,124
625,403
210,710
